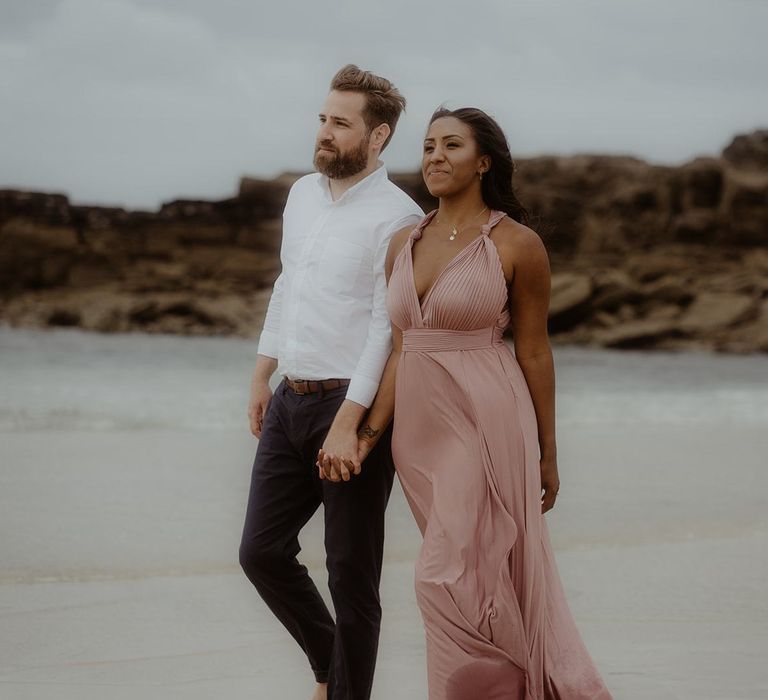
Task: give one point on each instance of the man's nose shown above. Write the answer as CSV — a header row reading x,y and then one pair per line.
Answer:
x,y
324,133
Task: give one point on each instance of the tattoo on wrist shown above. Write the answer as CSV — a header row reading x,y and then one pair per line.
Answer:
x,y
367,432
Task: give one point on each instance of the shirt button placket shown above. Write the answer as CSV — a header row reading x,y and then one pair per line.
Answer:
x,y
302,271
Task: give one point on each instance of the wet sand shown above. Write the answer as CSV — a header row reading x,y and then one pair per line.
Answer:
x,y
119,574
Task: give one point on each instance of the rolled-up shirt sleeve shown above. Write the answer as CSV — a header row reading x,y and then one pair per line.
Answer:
x,y
365,379
269,340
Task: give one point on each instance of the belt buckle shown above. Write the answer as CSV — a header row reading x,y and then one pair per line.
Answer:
x,y
300,386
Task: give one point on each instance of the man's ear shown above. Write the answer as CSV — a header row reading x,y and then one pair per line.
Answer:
x,y
380,134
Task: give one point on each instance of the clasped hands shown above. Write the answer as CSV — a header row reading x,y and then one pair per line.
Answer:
x,y
342,455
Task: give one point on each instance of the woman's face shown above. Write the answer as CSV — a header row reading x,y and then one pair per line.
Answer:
x,y
451,162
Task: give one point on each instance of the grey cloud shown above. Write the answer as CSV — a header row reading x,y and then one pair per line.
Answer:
x,y
137,101
20,18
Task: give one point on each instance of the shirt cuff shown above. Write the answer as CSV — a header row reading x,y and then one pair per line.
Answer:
x,y
362,390
269,343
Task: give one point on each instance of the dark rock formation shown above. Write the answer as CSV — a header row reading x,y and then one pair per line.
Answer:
x,y
749,151
642,255
569,304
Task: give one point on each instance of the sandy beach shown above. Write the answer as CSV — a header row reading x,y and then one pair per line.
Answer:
x,y
124,468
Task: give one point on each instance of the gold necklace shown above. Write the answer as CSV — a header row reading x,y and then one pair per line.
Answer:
x,y
455,231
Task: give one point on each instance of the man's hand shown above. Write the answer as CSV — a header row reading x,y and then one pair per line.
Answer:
x,y
261,395
338,458
550,483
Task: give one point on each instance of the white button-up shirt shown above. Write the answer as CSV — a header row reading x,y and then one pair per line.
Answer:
x,y
327,316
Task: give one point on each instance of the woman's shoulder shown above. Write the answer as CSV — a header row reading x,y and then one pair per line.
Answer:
x,y
399,239
396,244
511,232
520,249
517,239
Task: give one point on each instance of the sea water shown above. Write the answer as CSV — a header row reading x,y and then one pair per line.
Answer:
x,y
73,380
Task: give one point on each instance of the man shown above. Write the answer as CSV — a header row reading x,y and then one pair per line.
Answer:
x,y
327,332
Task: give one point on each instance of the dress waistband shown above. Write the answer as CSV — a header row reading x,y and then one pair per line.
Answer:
x,y
443,340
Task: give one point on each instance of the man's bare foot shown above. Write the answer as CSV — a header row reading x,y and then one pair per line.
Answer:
x,y
321,692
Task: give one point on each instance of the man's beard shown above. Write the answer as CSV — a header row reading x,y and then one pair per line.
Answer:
x,y
340,166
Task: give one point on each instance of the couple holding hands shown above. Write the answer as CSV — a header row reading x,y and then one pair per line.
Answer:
x,y
386,326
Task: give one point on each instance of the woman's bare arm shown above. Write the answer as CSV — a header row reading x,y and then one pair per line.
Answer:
x,y
523,251
383,407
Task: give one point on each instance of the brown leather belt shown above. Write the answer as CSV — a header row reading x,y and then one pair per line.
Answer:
x,y
312,386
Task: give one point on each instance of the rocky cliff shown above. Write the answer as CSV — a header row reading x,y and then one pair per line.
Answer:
x,y
642,255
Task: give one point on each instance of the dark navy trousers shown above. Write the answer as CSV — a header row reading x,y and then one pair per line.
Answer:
x,y
285,492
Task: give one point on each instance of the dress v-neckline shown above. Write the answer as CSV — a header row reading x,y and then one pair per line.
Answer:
x,y
423,300
417,233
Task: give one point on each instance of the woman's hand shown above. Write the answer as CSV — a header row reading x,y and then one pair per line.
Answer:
x,y
338,458
550,483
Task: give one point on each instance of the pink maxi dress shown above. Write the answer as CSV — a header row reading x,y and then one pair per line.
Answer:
x,y
465,445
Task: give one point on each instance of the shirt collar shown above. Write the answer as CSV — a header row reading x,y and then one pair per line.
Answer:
x,y
369,181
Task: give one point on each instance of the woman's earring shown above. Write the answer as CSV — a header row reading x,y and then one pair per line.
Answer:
x,y
481,174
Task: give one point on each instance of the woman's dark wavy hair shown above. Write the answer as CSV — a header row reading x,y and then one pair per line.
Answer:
x,y
496,185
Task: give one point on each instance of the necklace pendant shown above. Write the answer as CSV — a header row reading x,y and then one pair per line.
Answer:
x,y
453,235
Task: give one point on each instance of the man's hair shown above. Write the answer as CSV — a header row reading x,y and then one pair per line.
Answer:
x,y
383,101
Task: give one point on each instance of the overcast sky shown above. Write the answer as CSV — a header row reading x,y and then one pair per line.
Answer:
x,y
135,102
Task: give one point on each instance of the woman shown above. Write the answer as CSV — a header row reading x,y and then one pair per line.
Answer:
x,y
474,428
